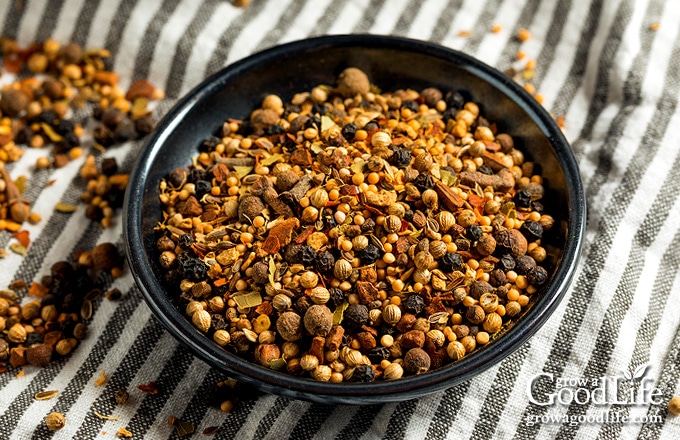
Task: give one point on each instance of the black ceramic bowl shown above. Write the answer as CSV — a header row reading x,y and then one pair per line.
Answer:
x,y
391,63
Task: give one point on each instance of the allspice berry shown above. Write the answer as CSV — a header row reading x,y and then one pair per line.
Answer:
x,y
105,256
353,81
70,53
249,208
416,361
55,421
13,102
260,272
511,240
261,119
475,314
289,326
486,245
39,355
318,320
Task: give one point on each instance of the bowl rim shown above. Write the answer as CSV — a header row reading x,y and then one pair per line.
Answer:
x,y
347,392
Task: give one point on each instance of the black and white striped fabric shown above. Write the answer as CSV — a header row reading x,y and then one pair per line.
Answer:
x,y
598,63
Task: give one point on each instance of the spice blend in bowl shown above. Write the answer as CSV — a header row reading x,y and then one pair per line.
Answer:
x,y
337,233
349,230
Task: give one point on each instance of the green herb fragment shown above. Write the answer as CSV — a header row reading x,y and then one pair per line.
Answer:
x,y
447,178
358,167
22,183
248,300
242,171
18,248
183,428
507,207
326,123
277,364
271,159
338,313
316,149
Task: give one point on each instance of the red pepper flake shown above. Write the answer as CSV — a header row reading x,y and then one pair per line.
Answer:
x,y
220,282
476,201
37,289
149,388
302,238
265,308
23,237
373,210
21,373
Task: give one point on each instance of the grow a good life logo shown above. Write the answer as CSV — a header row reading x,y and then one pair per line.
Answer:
x,y
627,389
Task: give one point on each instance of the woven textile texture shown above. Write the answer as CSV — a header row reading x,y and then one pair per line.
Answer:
x,y
599,63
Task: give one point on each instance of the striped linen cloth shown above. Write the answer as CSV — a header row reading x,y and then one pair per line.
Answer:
x,y
599,64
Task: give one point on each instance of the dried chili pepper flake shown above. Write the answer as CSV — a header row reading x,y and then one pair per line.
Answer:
x,y
45,395
149,388
122,432
102,378
38,289
210,430
23,237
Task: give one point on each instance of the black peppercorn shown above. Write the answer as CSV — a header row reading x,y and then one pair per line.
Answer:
x,y
209,144
485,169
202,188
378,354
64,127
411,105
363,373
337,296
413,304
33,338
324,262
522,198
49,117
318,108
369,255
532,230
507,262
349,131
355,316
524,265
451,261
408,215
401,158
273,129
454,100
538,275
306,255
423,182
474,232
192,268
185,241
313,121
